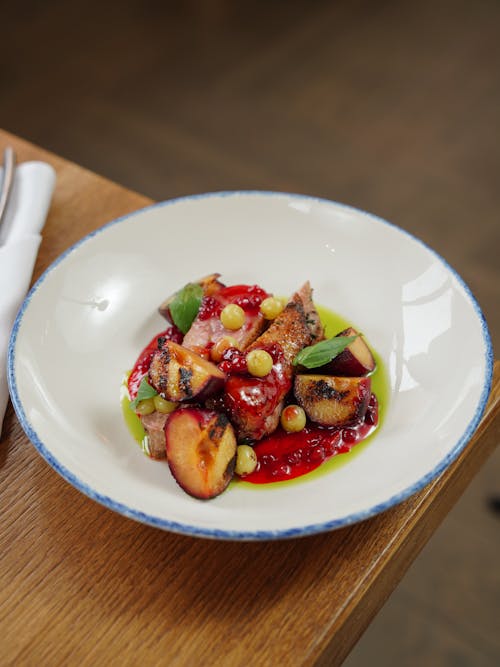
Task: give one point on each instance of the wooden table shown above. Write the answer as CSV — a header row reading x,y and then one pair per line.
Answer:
x,y
82,585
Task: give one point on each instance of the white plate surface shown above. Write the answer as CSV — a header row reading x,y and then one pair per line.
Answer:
x,y
92,311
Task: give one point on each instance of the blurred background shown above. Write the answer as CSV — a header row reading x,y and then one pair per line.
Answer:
x,y
393,107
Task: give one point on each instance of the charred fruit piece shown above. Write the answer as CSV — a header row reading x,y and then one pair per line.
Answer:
x,y
355,361
179,374
209,284
143,362
333,401
201,451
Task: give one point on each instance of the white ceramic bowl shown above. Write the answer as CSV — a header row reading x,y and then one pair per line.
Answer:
x,y
86,319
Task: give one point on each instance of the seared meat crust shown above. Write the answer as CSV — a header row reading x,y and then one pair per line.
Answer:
x,y
254,404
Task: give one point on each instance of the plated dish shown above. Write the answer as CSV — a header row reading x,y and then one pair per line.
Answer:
x,y
86,318
246,385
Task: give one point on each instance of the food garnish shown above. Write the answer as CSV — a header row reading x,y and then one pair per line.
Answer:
x,y
144,392
319,354
185,306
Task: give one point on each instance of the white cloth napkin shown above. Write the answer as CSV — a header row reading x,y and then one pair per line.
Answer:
x,y
19,241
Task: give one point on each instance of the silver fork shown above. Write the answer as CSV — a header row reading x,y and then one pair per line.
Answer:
x,y
9,164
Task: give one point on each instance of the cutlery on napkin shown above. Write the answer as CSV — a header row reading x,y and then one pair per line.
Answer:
x,y
20,239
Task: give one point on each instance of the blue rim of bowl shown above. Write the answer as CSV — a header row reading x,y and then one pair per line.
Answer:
x,y
257,535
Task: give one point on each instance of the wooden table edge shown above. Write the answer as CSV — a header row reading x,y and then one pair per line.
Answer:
x,y
354,617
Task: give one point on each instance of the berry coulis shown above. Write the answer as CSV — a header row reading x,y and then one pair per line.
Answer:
x,y
248,297
283,456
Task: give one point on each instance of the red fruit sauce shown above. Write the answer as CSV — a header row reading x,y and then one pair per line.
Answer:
x,y
248,297
282,456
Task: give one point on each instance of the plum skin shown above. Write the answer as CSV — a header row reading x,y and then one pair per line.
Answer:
x,y
201,451
356,360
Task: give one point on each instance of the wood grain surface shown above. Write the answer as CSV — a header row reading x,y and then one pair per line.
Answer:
x,y
82,585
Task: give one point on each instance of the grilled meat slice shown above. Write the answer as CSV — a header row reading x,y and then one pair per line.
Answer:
x,y
154,425
295,328
207,328
254,404
204,334
312,318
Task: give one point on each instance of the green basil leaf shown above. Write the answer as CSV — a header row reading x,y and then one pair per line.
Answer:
x,y
323,352
185,306
145,391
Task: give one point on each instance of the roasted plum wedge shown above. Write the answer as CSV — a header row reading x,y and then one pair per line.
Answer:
x,y
355,361
178,374
333,401
201,451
